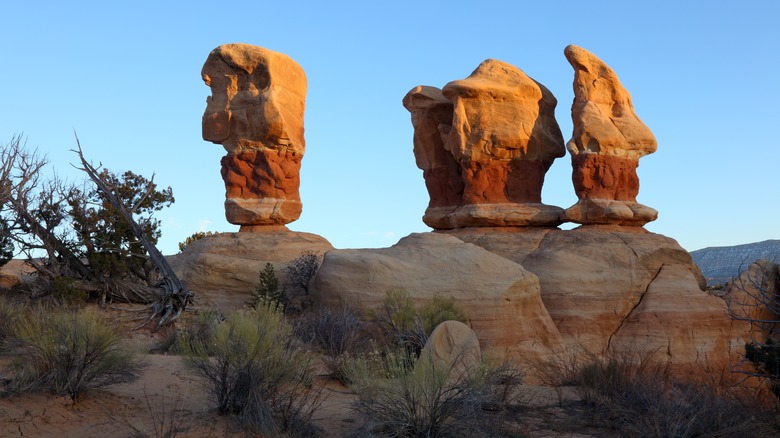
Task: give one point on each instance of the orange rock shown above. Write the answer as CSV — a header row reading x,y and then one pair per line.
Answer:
x,y
618,289
256,112
606,145
500,298
484,144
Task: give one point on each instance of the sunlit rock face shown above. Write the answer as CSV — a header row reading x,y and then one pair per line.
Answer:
x,y
485,144
607,141
255,111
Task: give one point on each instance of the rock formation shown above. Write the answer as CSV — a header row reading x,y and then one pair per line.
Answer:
x,y
452,346
223,269
500,298
618,289
605,147
484,144
256,111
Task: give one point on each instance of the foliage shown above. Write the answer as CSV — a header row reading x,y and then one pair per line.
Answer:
x,y
9,312
194,237
107,240
67,352
268,288
301,270
256,372
430,398
72,230
766,358
638,399
6,245
411,327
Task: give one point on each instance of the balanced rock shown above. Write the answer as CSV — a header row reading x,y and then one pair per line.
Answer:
x,y
500,298
224,268
605,147
502,136
618,289
255,111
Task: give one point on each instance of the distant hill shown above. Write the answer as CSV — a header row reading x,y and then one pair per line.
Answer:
x,y
720,264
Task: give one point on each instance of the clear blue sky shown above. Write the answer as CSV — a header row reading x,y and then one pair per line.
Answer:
x,y
126,76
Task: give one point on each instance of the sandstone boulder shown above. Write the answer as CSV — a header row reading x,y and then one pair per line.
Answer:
x,y
618,289
753,301
500,298
224,269
499,128
255,111
453,346
605,147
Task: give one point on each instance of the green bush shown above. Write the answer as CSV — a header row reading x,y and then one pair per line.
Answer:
x,y
429,399
255,372
411,327
766,358
268,288
67,352
194,237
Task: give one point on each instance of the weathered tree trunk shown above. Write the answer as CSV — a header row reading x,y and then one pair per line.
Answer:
x,y
173,296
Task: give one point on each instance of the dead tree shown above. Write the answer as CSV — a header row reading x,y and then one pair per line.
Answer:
x,y
173,297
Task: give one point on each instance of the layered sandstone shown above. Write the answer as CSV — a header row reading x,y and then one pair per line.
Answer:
x,y
500,298
255,111
607,141
618,289
484,144
224,269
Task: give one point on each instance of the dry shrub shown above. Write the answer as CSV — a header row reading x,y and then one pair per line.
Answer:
x,y
638,398
256,372
429,399
68,351
9,312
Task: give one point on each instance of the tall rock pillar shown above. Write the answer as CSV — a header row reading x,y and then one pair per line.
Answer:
x,y
255,111
605,147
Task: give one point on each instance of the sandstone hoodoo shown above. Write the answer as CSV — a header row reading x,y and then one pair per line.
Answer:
x,y
484,144
255,111
605,147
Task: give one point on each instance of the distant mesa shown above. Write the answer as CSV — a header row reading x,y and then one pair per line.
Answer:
x,y
484,144
605,147
255,111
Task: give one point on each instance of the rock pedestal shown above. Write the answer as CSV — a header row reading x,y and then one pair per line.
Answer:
x,y
255,111
484,144
605,147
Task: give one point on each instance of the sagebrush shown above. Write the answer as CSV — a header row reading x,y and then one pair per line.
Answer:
x,y
256,372
68,351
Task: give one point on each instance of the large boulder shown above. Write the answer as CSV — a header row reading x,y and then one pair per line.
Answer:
x,y
618,289
501,298
606,144
224,269
255,111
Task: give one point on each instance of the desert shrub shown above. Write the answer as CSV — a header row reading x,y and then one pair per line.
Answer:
x,y
195,237
638,399
9,312
429,399
410,327
268,288
6,244
256,372
67,352
335,332
301,270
